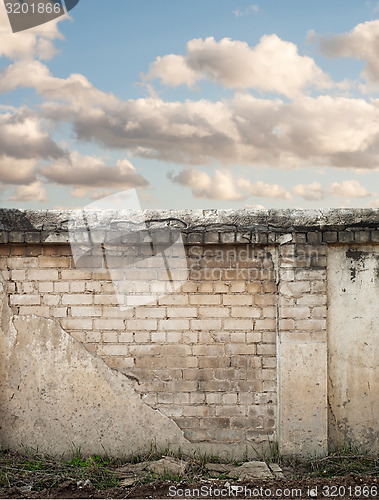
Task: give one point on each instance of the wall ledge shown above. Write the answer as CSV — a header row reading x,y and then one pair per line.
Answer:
x,y
197,226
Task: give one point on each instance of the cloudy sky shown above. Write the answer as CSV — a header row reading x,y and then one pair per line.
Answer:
x,y
201,104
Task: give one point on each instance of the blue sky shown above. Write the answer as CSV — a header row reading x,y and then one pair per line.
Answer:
x,y
201,104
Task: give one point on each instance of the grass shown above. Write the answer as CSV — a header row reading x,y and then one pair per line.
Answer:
x,y
36,471
344,461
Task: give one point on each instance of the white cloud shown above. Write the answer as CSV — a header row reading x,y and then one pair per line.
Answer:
x,y
90,171
264,189
35,42
219,187
79,193
310,192
349,189
321,131
245,12
173,70
274,65
32,192
16,170
23,143
75,89
96,194
23,137
325,130
222,186
101,193
359,43
260,207
332,131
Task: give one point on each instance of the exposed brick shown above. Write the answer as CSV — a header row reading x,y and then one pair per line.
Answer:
x,y
174,337
77,299
311,324
43,274
312,300
85,311
25,300
16,237
109,324
265,324
61,287
295,312
77,324
174,324
205,324
345,236
246,312
208,350
180,300
59,312
237,287
198,300
178,312
46,286
17,275
214,312
51,300
266,349
237,300
238,324
141,324
329,236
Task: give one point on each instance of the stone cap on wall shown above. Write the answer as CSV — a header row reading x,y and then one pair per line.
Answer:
x,y
197,226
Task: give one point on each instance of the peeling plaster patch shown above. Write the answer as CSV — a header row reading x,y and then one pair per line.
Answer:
x,y
357,258
55,393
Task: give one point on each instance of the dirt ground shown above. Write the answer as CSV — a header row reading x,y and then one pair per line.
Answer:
x,y
336,476
339,488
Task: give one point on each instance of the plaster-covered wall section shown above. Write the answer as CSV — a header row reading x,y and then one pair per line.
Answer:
x,y
55,395
223,343
353,345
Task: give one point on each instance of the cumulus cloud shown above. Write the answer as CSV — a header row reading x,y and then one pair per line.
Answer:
x,y
324,130
359,43
349,189
23,143
310,192
264,189
173,70
274,65
36,42
222,186
22,136
340,132
75,89
90,171
32,192
16,170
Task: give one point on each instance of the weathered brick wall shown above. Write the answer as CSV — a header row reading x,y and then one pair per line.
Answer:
x,y
204,355
237,354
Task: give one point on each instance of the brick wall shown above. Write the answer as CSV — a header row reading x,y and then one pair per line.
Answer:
x,y
204,355
237,353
